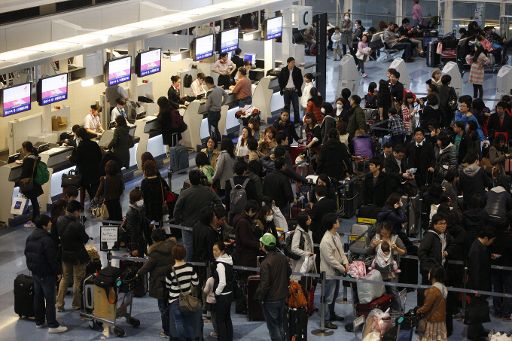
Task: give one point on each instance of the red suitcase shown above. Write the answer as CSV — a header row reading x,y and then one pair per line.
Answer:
x,y
296,151
383,303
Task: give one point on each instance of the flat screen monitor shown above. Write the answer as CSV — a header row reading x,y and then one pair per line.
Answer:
x,y
119,70
16,99
52,89
250,57
273,28
148,63
229,40
203,47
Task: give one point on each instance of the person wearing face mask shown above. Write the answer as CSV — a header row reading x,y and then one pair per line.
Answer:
x,y
265,220
136,225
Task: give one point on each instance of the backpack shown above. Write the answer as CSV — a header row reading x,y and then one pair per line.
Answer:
x,y
296,297
42,175
288,246
238,196
187,80
177,123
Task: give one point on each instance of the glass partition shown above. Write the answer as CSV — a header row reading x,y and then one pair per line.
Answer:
x,y
372,12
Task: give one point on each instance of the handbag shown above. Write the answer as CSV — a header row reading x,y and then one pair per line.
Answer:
x,y
477,311
72,178
27,184
187,303
18,205
101,210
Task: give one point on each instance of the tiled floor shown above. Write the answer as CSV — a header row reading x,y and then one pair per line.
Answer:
x,y
12,260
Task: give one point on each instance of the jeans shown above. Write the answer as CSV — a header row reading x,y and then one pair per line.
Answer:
x,y
223,317
213,125
78,272
275,315
407,47
183,326
36,210
332,289
478,91
44,291
502,282
245,101
188,243
292,97
163,306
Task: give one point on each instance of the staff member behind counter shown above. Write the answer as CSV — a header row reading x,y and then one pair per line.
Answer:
x,y
92,122
198,87
224,67
173,94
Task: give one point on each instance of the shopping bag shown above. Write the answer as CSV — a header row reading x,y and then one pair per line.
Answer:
x,y
18,205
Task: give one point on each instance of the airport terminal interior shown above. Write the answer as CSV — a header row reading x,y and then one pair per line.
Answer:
x,y
60,60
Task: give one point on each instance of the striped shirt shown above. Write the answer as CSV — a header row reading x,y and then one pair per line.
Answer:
x,y
183,277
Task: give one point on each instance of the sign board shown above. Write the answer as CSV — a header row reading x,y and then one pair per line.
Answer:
x,y
108,237
305,16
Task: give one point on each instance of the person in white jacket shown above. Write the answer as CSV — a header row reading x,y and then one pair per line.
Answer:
x,y
302,242
223,287
306,91
336,44
334,262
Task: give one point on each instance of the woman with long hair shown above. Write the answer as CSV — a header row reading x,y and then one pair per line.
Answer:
x,y
111,188
225,164
242,150
476,75
384,100
28,171
315,104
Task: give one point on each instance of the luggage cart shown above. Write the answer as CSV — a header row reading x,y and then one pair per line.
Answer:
x,y
99,309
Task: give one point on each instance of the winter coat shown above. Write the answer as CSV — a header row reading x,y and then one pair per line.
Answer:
x,y
247,241
430,251
224,168
274,277
41,253
88,160
473,180
203,237
277,186
136,224
73,239
158,265
121,144
307,247
28,171
334,160
434,305
191,201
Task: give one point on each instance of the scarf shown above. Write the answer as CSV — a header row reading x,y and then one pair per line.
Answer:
x,y
441,288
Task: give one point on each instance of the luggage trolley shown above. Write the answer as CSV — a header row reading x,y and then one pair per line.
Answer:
x,y
101,305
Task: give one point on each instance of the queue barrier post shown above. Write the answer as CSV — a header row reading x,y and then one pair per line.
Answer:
x,y
322,331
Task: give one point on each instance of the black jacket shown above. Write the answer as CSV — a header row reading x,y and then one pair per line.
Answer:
x,y
275,274
121,144
153,190
88,160
421,158
479,267
158,265
334,160
430,116
288,129
247,241
430,250
239,62
375,193
136,224
473,181
277,186
397,91
395,217
174,97
319,210
204,237
446,93
73,238
41,254
191,201
165,121
494,125
394,172
28,171
297,79
250,189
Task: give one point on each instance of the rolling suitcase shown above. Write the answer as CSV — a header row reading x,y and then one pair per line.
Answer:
x,y
297,324
129,270
433,59
24,296
383,303
178,156
254,310
88,295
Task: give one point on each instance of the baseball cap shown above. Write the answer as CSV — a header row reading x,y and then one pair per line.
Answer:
x,y
268,239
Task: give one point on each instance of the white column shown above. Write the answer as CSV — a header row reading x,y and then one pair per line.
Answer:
x,y
287,37
399,12
448,16
267,47
47,70
133,49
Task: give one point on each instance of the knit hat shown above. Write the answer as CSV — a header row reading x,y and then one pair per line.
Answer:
x,y
268,239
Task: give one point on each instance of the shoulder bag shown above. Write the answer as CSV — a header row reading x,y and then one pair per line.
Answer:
x,y
27,184
188,304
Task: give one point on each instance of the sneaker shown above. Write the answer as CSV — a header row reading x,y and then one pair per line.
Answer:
x,y
58,330
29,224
163,335
335,317
330,325
39,326
364,75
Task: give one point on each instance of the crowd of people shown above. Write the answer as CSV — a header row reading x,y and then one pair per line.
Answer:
x,y
451,151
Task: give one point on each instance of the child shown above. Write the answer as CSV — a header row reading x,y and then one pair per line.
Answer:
x,y
409,114
363,51
384,261
210,303
336,44
306,92
396,126
433,309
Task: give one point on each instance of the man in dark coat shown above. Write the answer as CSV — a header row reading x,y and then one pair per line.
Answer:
x,y
290,83
420,155
323,206
74,256
500,122
41,255
334,159
395,168
479,278
375,185
173,94
87,157
277,186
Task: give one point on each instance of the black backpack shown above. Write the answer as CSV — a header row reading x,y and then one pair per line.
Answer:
x,y
108,278
287,248
187,80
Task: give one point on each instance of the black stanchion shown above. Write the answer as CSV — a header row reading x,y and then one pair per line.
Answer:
x,y
322,331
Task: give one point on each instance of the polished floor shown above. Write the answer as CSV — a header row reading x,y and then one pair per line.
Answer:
x,y
12,260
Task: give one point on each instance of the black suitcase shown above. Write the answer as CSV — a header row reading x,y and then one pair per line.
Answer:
x,y
129,270
297,324
254,310
348,197
433,59
179,159
24,296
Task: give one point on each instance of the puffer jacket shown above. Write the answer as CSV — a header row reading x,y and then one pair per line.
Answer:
x,y
473,180
158,265
73,239
499,205
41,253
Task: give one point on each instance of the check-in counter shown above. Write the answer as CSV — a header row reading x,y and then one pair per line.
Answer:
x,y
149,140
57,161
108,135
267,98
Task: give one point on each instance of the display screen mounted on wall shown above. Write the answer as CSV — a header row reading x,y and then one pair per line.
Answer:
x,y
229,40
251,58
148,63
119,70
52,89
274,28
203,47
16,99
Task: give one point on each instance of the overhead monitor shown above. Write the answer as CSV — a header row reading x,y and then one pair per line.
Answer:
x,y
203,47
16,99
52,89
273,28
250,57
229,40
119,70
148,63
